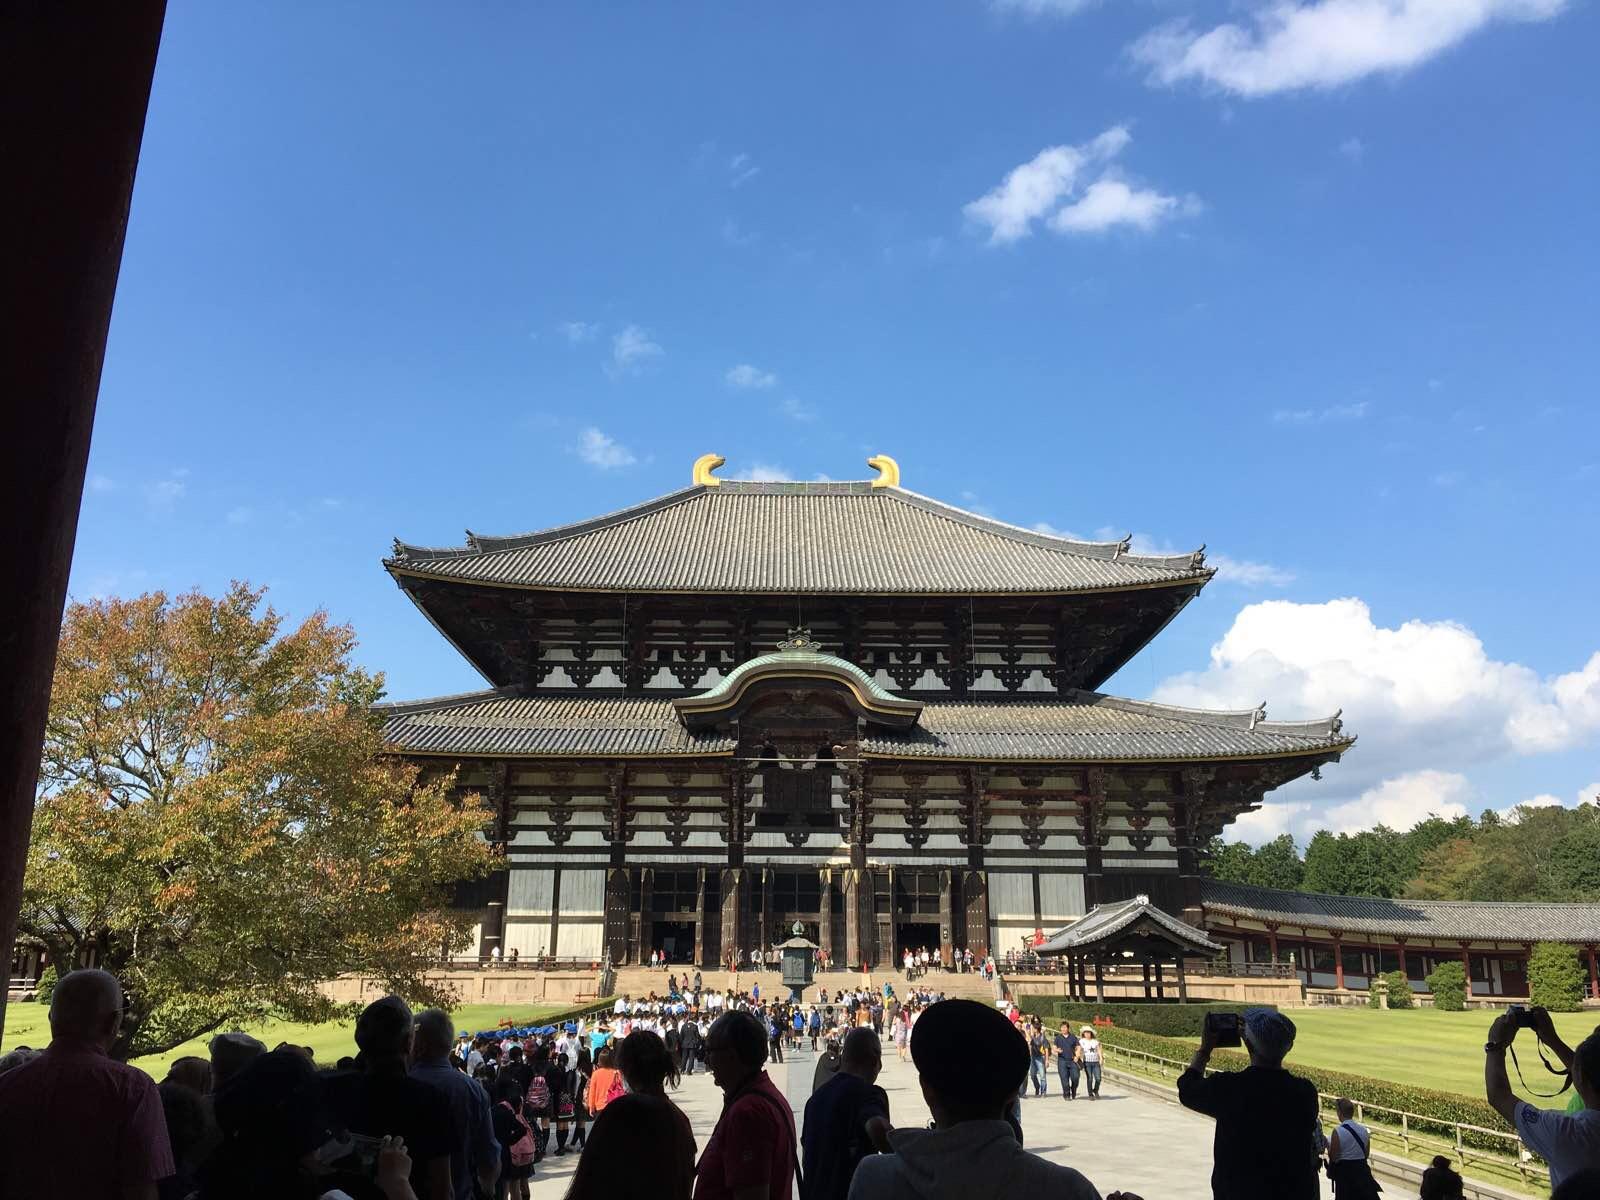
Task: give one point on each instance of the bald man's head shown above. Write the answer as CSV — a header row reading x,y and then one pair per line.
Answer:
x,y
87,1004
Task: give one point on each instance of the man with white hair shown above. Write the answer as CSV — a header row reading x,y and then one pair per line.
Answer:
x,y
474,1154
1268,1132
75,1122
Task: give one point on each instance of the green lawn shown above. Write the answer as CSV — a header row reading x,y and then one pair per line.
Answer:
x,y
26,1025
1422,1046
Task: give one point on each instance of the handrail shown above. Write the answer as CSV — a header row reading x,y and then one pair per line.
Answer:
x,y
1524,1160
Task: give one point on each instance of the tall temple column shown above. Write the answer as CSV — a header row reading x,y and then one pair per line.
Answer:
x,y
1185,821
1594,975
497,795
852,917
646,934
618,916
974,809
732,885
619,922
825,917
700,917
1338,962
947,916
975,893
1091,819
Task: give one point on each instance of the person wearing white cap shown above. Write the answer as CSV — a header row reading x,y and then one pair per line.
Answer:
x,y
1089,1058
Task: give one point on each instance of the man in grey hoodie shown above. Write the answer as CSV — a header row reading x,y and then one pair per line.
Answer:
x,y
970,1063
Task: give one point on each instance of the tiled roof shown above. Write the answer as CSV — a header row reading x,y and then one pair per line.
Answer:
x,y
498,723
1080,727
1102,923
816,538
1460,919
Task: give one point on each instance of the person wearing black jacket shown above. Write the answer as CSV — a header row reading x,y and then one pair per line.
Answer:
x,y
689,1044
1267,1135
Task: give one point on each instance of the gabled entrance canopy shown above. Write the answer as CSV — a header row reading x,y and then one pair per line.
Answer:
x,y
1128,931
798,659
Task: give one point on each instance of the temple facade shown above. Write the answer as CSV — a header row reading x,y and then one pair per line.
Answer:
x,y
742,705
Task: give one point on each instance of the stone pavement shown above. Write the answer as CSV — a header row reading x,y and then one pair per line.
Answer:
x,y
1124,1140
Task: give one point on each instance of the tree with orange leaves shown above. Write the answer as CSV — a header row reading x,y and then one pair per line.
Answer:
x,y
217,822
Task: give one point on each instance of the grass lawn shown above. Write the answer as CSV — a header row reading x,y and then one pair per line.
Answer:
x,y
1424,1047
27,1025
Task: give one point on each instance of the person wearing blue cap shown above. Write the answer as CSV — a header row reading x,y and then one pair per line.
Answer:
x,y
1268,1133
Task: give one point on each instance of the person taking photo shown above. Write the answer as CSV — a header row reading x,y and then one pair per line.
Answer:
x,y
1569,1142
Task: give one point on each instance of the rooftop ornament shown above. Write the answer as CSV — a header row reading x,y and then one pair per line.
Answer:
x,y
703,466
888,471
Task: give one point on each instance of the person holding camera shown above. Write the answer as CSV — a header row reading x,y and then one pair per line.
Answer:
x,y
1267,1127
1568,1142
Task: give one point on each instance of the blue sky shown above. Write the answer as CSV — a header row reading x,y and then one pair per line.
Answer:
x,y
1313,285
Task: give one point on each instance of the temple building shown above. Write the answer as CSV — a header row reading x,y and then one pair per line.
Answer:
x,y
742,705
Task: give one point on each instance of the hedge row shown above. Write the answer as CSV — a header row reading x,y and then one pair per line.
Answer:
x,y
1424,1102
1168,1020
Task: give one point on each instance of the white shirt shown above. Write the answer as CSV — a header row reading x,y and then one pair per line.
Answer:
x,y
1352,1147
621,1006
1090,1048
1569,1143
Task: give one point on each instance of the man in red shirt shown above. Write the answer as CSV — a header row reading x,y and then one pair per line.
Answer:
x,y
74,1122
751,1154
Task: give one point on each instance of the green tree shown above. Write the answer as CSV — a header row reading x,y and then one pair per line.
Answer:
x,y
1231,862
219,823
1574,862
1448,983
1326,868
1555,977
1277,864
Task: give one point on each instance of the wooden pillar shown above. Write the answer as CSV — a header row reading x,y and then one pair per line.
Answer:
x,y
1272,943
700,917
947,917
647,903
1161,985
619,915
1144,968
1338,961
732,884
74,87
1594,975
1099,979
1401,950
975,895
1466,965
825,917
1183,981
852,917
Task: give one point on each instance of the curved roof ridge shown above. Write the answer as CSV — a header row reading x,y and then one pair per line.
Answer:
x,y
402,708
1116,551
1233,718
478,543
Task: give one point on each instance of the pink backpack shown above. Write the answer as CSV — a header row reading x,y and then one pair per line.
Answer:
x,y
523,1151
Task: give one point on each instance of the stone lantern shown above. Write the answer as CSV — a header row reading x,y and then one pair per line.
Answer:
x,y
798,962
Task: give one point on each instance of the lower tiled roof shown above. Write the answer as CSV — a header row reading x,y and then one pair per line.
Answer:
x,y
1451,919
1104,922
1076,728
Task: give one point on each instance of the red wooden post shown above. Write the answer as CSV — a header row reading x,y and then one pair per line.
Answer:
x,y
1466,963
1402,947
1594,975
1338,962
1272,942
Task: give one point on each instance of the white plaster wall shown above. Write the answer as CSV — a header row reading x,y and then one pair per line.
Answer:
x,y
530,892
1061,898
583,893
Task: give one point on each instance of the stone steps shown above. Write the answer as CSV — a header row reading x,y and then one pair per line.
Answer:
x,y
638,982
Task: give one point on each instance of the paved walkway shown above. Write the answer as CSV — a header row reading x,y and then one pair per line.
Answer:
x,y
1124,1140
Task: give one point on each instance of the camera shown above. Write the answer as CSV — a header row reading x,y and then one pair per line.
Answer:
x,y
1521,1016
1225,1028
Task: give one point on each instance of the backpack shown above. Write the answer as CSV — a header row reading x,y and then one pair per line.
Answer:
x,y
539,1093
522,1148
617,1090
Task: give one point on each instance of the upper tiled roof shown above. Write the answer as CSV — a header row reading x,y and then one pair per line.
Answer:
x,y
1460,919
833,538
1080,727
1102,924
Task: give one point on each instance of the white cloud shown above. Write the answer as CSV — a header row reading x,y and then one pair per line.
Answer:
x,y
1354,411
1247,573
745,376
761,472
796,410
1272,819
1423,695
1050,530
603,451
1353,148
1108,202
164,494
1042,8
577,332
739,239
102,484
242,515
1046,183
1403,801
741,170
632,348
1322,43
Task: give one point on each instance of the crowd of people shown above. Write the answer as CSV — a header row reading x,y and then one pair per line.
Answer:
x,y
422,1112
